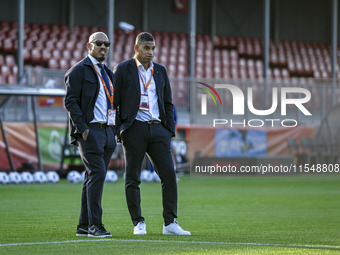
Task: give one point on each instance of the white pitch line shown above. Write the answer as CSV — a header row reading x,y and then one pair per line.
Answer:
x,y
181,242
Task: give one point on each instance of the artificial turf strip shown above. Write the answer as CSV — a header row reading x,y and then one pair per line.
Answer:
x,y
243,215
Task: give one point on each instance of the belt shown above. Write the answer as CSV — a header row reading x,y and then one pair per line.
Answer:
x,y
98,124
153,122
150,122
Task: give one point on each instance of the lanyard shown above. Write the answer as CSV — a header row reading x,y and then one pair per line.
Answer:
x,y
110,97
140,75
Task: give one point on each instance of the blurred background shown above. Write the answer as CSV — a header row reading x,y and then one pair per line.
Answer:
x,y
248,43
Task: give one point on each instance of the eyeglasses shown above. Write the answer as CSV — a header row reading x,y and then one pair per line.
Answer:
x,y
100,43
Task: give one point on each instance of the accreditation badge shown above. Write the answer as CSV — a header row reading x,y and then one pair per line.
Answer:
x,y
111,117
144,102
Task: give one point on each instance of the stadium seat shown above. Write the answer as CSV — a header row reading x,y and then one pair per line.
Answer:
x,y
234,73
222,54
36,55
199,71
2,60
171,70
66,54
46,55
9,45
64,64
2,80
60,44
50,43
217,72
56,54
285,73
232,42
5,71
54,28
53,63
10,60
78,55
72,62
226,73
163,60
12,79
182,70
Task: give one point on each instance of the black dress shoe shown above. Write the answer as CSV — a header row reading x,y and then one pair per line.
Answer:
x,y
82,230
98,231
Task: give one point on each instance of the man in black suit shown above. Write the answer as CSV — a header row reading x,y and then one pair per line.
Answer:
x,y
89,102
145,124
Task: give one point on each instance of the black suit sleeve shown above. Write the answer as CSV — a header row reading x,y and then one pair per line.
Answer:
x,y
168,106
73,82
117,81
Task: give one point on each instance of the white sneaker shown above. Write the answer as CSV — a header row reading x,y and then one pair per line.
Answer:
x,y
175,229
140,228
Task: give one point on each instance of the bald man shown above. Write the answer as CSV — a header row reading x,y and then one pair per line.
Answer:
x,y
89,102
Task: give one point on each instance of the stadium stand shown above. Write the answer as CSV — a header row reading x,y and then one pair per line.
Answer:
x,y
222,57
55,47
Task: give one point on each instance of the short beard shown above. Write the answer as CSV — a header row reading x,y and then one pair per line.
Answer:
x,y
101,59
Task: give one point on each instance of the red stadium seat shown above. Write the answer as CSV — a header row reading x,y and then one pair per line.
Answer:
x,y
46,55
173,59
72,62
4,24
66,54
234,73
10,60
181,71
15,70
2,80
12,33
276,74
60,44
199,71
53,63
217,72
232,43
51,43
64,64
217,42
226,73
77,55
63,28
56,54
163,60
54,28
208,72
285,73
226,57
12,79
5,71
36,55
27,54
9,45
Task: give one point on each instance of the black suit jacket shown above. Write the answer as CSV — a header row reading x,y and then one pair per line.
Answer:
x,y
127,95
82,89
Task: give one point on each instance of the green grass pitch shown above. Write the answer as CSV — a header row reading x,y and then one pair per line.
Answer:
x,y
239,215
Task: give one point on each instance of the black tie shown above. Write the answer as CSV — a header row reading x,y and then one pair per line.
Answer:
x,y
107,83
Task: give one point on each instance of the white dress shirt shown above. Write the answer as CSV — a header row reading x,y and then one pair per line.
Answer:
x,y
153,112
100,107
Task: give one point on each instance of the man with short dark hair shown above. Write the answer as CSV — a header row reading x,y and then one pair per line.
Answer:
x,y
89,101
145,124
